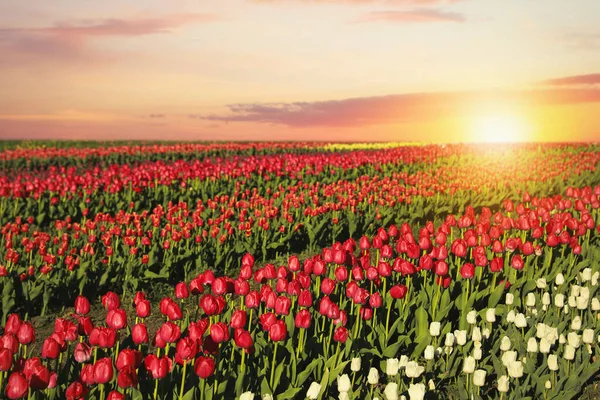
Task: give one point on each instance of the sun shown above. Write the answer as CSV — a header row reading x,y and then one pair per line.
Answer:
x,y
499,128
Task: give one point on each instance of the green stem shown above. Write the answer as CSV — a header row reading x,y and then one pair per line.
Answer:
x,y
182,379
273,365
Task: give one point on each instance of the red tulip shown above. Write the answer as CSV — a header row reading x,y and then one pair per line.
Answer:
x,y
305,298
242,339
209,305
128,357
196,286
103,337
103,370
76,391
196,329
467,271
82,352
50,349
116,319
66,329
6,359
13,323
204,367
111,301
17,386
364,243
87,374
181,291
384,268
36,373
398,291
170,309
294,263
26,333
278,331
497,264
366,313
85,326
375,301
186,350
219,332
167,333
266,320
516,262
282,305
82,305
340,334
219,286
114,395
142,308
139,334
241,287
303,319
127,377
327,286
238,319
252,299
158,367
9,341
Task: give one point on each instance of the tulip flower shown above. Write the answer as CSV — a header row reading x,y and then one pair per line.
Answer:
x,y
82,305
313,391
416,391
17,386
103,370
204,367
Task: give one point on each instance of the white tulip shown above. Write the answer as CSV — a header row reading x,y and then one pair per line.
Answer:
x,y
548,385
574,339
588,347
343,383
588,336
530,301
562,339
532,345
490,315
595,278
247,396
510,298
508,357
486,333
414,370
469,365
355,364
477,353
449,342
569,353
576,323
267,396
313,391
429,352
586,274
582,302
391,391
544,346
431,384
373,377
534,311
566,309
595,304
476,335
461,337
515,369
505,343
479,377
559,300
584,291
416,391
541,283
575,290
392,366
343,396
572,301
503,384
546,299
559,280
510,317
472,317
434,328
403,361
552,362
520,320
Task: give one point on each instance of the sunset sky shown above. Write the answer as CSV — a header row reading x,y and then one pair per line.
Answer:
x,y
427,70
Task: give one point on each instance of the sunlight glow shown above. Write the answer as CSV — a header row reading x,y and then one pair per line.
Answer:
x,y
499,128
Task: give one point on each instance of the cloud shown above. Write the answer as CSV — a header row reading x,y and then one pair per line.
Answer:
x,y
575,80
391,109
359,2
69,41
154,116
580,40
415,15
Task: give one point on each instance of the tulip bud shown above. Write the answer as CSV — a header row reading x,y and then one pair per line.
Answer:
x,y
552,362
532,345
503,384
204,367
391,391
434,328
82,305
490,315
469,365
479,377
313,391
429,353
373,377
472,317
355,364
343,383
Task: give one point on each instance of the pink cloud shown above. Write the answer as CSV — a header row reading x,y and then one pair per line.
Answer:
x,y
69,41
587,79
359,2
415,15
392,109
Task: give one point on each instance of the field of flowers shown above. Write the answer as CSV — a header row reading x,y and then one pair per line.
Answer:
x,y
299,270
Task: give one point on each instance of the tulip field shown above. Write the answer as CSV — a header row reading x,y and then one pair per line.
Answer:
x,y
299,270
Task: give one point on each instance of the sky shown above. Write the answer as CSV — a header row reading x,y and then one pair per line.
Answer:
x,y
332,70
